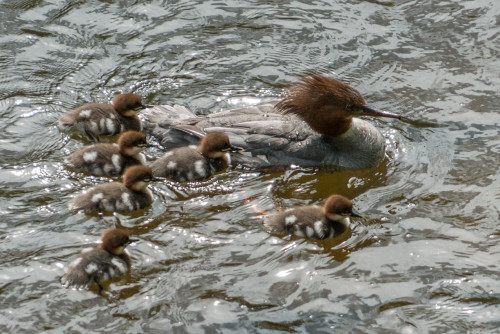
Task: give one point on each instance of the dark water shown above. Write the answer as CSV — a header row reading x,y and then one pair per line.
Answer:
x,y
426,258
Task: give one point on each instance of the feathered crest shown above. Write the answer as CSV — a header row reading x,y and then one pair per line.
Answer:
x,y
314,91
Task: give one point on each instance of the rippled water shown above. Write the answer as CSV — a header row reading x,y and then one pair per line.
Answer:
x,y
424,260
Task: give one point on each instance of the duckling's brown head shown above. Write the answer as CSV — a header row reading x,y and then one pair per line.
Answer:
x,y
128,104
132,142
115,241
338,207
215,145
137,178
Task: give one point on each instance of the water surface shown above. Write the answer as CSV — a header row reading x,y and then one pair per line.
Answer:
x,y
424,260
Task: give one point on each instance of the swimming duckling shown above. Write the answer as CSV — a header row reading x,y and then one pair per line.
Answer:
x,y
132,194
196,163
108,159
107,261
313,222
105,119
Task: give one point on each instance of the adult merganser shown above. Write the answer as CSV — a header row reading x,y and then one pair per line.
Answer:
x,y
104,119
313,222
195,163
132,194
314,125
107,261
109,159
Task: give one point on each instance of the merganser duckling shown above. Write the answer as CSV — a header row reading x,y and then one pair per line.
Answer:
x,y
105,119
105,262
132,194
195,163
109,159
314,125
313,222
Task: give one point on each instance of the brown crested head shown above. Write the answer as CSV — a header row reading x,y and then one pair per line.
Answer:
x,y
114,241
127,104
215,145
338,207
137,177
326,104
131,139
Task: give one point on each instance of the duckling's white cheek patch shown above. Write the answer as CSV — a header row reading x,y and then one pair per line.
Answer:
x,y
97,197
86,113
171,164
102,124
129,113
198,167
290,220
336,217
91,268
90,156
142,186
133,151
141,158
119,265
120,250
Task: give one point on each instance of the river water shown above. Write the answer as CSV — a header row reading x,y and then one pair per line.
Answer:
x,y
425,259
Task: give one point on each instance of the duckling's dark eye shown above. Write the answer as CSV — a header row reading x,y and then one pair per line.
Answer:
x,y
349,107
